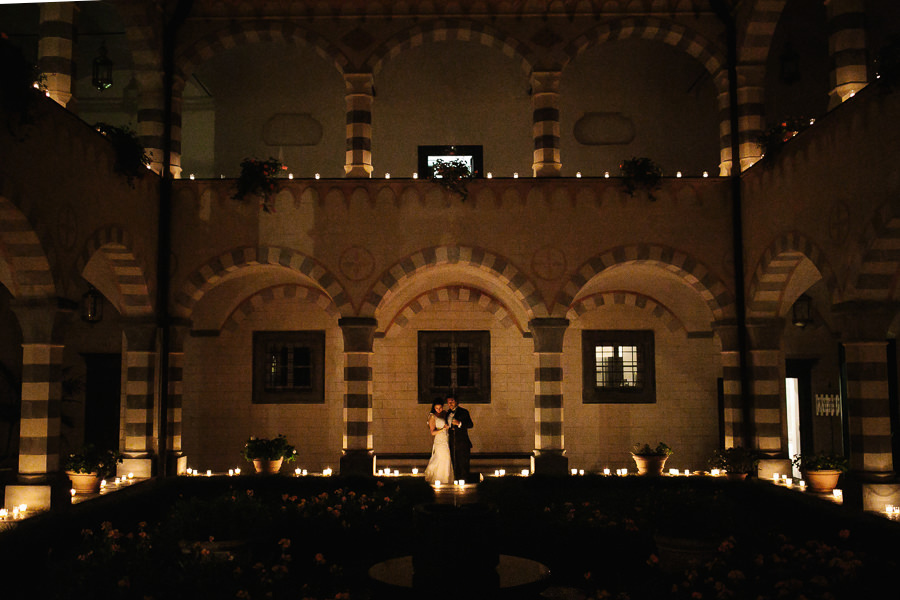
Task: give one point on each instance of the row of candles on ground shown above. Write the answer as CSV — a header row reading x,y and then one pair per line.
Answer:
x,y
327,472
18,512
489,175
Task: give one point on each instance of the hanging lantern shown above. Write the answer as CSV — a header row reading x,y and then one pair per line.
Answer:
x,y
802,311
92,305
101,74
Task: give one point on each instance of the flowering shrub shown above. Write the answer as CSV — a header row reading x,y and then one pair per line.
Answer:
x,y
640,173
809,569
258,178
90,459
452,175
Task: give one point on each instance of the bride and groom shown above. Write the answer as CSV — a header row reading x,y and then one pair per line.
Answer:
x,y
451,448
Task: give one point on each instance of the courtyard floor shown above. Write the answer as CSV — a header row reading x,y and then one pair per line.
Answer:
x,y
319,537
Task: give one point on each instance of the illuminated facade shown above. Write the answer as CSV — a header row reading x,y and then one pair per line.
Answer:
x,y
572,318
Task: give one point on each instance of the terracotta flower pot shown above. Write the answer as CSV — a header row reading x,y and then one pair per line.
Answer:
x,y
267,467
84,483
822,481
649,465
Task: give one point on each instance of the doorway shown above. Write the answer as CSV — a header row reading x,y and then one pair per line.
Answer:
x,y
799,406
102,398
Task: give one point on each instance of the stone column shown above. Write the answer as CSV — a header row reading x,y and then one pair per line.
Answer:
x,y
55,49
41,485
751,118
767,394
151,115
545,123
359,337
176,457
549,442
731,385
138,436
864,329
846,49
359,97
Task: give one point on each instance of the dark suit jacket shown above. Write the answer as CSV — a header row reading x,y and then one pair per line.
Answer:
x,y
460,435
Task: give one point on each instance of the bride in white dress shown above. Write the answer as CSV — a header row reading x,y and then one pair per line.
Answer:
x,y
439,467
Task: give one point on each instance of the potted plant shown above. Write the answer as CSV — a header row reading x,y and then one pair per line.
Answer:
x,y
640,173
88,465
821,471
267,455
452,175
258,178
131,158
737,462
650,460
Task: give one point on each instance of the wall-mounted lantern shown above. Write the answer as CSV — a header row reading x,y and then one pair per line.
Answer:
x,y
102,71
802,311
92,306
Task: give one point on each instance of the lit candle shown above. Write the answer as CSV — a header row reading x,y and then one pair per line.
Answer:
x,y
714,472
317,175
231,472
706,173
380,472
290,175
4,512
327,472
515,175
776,477
415,471
192,176
118,481
237,471
304,472
387,175
606,174
415,175
687,471
490,175
102,483
581,471
131,475
574,471
606,471
437,483
673,471
788,481
578,174
72,491
838,494
802,484
496,472
524,472
297,471
502,472
678,174
396,472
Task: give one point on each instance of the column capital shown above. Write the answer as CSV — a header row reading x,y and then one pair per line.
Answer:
x,y
43,320
359,83
864,320
765,334
543,82
548,333
359,333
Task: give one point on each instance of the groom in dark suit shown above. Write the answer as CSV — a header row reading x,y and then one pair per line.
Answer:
x,y
460,445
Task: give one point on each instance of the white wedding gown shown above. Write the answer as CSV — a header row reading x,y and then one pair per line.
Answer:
x,y
439,466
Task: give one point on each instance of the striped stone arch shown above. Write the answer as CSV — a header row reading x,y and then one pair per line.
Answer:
x,y
247,32
207,276
116,247
673,34
719,299
454,293
756,39
775,268
290,291
875,264
449,30
21,248
497,267
632,299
